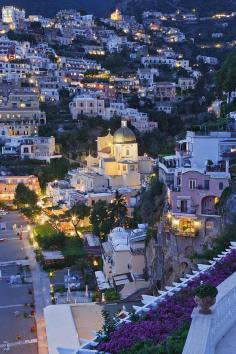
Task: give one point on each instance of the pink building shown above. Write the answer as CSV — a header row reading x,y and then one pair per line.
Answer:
x,y
194,200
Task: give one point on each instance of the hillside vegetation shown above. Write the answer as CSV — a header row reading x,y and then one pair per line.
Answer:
x,y
136,7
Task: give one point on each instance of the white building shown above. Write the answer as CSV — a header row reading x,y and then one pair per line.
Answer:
x,y
14,70
116,43
49,95
195,151
164,106
12,49
124,260
12,16
34,147
61,193
86,180
186,83
85,105
147,76
163,60
139,120
207,60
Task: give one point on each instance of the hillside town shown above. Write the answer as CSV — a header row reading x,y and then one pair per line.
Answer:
x,y
117,182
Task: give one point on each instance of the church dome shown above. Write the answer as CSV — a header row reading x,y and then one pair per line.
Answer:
x,y
124,135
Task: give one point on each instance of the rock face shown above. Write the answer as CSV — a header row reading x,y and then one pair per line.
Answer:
x,y
230,209
169,255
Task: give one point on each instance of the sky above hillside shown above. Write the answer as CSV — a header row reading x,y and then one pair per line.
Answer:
x,y
50,7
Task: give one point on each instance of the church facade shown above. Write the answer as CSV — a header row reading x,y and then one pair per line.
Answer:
x,y
118,160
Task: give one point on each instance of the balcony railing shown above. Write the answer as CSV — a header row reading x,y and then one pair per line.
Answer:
x,y
206,331
215,168
190,211
209,211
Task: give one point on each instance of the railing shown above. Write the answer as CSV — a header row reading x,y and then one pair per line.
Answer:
x,y
209,211
206,331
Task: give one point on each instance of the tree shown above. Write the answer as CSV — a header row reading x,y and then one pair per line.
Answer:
x,y
57,169
226,75
100,219
55,241
151,202
118,210
76,214
24,197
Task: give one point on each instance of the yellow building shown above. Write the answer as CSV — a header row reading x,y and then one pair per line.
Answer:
x,y
118,158
116,15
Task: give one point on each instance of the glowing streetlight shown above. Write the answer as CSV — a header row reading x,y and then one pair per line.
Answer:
x,y
74,218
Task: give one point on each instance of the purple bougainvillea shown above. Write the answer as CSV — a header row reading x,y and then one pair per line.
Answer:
x,y
170,314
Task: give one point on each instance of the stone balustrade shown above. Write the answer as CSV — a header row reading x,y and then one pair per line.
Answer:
x,y
207,330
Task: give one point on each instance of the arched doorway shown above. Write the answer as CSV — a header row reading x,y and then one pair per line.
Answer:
x,y
209,205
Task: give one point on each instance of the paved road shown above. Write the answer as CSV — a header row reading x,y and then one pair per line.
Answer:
x,y
12,252
41,287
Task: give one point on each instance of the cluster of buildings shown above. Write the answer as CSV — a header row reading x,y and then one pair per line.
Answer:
x,y
40,58
197,175
116,167
20,119
94,106
94,90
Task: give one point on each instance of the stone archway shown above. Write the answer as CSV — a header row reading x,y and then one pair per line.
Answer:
x,y
208,205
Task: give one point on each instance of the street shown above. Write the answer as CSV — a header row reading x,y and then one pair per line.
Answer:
x,y
21,303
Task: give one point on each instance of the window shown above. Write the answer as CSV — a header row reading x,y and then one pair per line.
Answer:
x,y
124,167
183,206
192,183
206,184
221,186
127,152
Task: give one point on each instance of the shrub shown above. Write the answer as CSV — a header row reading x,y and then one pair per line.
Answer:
x,y
111,295
206,290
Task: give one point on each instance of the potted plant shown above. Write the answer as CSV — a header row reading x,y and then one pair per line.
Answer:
x,y
206,297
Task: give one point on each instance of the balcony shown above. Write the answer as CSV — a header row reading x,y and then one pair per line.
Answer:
x,y
187,211
210,211
216,168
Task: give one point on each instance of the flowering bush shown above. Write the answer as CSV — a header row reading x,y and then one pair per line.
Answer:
x,y
170,315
